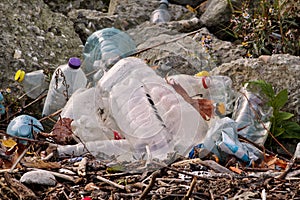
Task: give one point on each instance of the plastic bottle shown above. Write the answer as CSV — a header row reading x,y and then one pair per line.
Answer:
x,y
161,14
104,48
2,108
23,125
152,116
221,92
215,88
66,79
34,83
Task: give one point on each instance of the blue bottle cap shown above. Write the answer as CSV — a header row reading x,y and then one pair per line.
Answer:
x,y
74,63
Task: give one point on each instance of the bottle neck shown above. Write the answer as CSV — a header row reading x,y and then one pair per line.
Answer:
x,y
163,5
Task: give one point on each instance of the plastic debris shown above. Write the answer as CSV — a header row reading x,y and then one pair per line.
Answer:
x,y
252,115
104,48
34,83
161,14
2,107
65,81
23,126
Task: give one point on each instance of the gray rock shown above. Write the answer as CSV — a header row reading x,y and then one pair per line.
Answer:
x,y
184,55
38,177
21,23
280,70
217,12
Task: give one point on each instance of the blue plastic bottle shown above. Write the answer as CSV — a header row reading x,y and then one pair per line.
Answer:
x,y
23,125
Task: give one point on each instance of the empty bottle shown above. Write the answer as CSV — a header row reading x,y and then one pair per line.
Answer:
x,y
23,126
161,14
2,108
34,83
104,48
66,79
215,88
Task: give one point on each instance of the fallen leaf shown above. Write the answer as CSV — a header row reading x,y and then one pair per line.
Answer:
x,y
203,106
236,170
62,132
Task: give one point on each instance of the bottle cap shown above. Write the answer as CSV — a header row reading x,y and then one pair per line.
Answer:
x,y
19,76
202,73
24,131
74,63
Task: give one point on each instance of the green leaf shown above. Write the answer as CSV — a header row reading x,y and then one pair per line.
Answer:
x,y
281,116
267,88
279,131
292,130
280,99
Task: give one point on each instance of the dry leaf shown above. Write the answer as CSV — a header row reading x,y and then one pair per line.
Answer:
x,y
236,170
62,132
203,106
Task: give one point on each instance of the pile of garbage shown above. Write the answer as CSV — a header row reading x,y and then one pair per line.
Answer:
x,y
115,107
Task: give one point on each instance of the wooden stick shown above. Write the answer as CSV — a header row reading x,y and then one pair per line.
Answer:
x,y
51,115
59,175
19,159
122,187
150,185
190,191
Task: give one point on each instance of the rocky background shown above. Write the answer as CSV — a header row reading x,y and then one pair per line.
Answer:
x,y
39,34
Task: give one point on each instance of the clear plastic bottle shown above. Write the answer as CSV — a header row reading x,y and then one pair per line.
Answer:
x,y
221,92
23,125
66,79
151,115
161,14
215,88
104,48
34,83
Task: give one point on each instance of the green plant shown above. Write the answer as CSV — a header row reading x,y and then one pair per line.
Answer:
x,y
281,124
267,26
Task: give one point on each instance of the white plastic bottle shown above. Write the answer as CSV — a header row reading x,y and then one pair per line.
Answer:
x,y
34,83
65,80
161,14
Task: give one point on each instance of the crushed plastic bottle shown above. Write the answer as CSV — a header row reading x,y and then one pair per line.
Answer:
x,y
66,79
104,48
150,114
2,107
81,108
249,106
222,139
34,83
161,14
23,126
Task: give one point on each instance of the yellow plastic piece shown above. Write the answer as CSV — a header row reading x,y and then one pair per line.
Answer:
x,y
19,76
9,143
202,73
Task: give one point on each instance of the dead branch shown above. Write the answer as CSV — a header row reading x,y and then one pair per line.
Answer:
x,y
190,191
151,184
122,187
